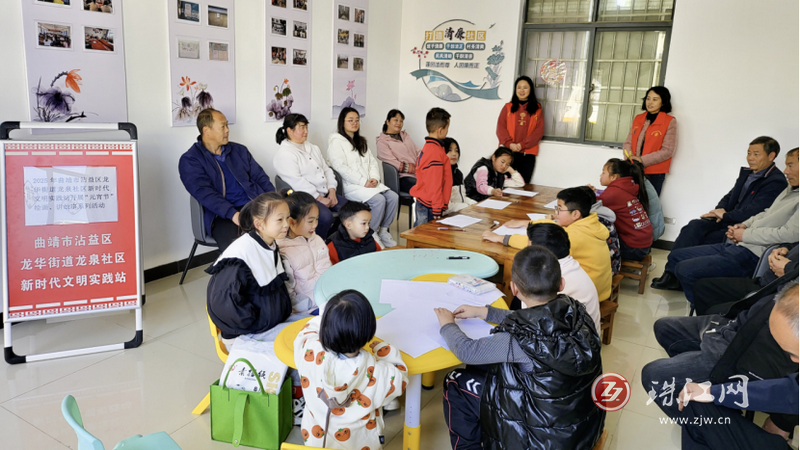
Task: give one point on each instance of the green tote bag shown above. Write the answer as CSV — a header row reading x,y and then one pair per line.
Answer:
x,y
253,419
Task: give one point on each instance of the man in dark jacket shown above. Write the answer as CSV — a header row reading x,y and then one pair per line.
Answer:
x,y
756,188
222,176
540,362
775,395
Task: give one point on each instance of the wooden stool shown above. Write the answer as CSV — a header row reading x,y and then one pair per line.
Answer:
x,y
600,442
608,308
637,270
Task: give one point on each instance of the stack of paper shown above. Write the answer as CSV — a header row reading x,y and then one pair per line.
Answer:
x,y
513,191
493,204
506,231
413,327
460,221
536,216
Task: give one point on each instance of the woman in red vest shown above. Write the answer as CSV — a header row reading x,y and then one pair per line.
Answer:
x,y
520,127
654,134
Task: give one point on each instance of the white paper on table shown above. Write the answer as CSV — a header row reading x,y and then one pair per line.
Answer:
x,y
493,204
474,328
513,191
506,231
537,216
460,220
419,295
394,329
552,204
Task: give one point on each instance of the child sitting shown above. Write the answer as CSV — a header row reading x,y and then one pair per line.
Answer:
x,y
354,236
587,235
247,292
542,361
303,253
489,176
344,385
607,218
626,195
434,177
458,197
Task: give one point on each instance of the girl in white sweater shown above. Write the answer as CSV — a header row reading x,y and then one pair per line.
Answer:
x,y
344,385
349,155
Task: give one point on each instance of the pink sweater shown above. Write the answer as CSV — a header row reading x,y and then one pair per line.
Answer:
x,y
395,152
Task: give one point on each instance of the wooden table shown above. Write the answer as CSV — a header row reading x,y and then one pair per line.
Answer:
x,y
428,236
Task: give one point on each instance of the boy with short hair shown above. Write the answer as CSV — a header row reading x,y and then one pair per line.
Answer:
x,y
434,176
549,346
354,236
587,235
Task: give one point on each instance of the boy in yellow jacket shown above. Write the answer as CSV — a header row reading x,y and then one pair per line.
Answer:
x,y
586,234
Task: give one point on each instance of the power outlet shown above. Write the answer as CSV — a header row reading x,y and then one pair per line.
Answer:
x,y
669,220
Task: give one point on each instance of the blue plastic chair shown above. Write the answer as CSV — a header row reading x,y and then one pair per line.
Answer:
x,y
160,440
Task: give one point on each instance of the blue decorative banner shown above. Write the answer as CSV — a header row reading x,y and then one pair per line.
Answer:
x,y
467,88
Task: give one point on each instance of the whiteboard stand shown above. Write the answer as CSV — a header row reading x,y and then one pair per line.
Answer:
x,y
70,212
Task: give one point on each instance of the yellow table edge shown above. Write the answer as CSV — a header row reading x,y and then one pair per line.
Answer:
x,y
429,362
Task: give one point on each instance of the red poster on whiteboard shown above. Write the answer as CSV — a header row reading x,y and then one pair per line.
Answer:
x,y
72,228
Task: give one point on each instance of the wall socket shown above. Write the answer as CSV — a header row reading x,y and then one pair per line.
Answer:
x,y
669,220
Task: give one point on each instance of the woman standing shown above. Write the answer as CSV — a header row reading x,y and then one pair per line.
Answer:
x,y
654,133
349,155
520,127
395,147
301,165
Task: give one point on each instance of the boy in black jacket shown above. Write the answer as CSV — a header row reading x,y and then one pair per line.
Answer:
x,y
354,236
541,362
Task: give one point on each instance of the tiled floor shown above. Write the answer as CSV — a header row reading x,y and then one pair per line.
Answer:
x,y
155,387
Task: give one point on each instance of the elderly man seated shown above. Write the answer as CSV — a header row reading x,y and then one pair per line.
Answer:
x,y
756,188
222,176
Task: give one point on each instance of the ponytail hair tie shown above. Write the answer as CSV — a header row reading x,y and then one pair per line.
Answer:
x,y
289,192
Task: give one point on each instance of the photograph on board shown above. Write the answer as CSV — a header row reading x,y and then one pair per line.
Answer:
x,y
188,48
53,35
217,16
279,26
342,61
189,11
300,30
279,55
103,6
217,51
55,2
98,39
299,58
301,4
358,64
358,40
279,3
344,12
344,37
360,15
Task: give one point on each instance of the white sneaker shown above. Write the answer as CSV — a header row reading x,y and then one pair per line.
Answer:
x,y
378,240
393,405
387,238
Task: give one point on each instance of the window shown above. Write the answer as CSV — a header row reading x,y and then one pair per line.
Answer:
x,y
620,44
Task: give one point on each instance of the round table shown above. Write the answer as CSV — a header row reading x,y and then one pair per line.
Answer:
x,y
428,363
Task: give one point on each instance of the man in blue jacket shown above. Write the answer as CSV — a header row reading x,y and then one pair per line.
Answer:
x,y
756,188
222,176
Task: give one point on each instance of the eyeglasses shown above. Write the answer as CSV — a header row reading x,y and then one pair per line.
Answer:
x,y
556,210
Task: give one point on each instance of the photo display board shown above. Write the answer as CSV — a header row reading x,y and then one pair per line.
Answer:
x,y
350,20
75,60
288,47
201,54
72,240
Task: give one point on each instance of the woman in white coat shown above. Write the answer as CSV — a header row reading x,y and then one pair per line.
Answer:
x,y
360,172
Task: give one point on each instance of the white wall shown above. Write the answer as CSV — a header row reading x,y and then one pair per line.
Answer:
x,y
165,212
732,71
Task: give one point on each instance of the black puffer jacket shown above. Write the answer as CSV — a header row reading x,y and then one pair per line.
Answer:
x,y
348,248
495,180
550,407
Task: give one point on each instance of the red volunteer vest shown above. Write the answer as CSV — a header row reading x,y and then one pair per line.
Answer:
x,y
511,126
653,140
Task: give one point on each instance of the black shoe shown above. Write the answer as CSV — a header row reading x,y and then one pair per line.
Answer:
x,y
668,282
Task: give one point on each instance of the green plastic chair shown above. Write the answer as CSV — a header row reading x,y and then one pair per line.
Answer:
x,y
160,440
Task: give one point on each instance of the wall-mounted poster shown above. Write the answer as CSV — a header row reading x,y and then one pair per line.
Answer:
x,y
201,49
458,60
350,56
288,25
75,61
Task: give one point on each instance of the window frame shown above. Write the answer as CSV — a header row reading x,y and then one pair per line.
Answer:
x,y
592,28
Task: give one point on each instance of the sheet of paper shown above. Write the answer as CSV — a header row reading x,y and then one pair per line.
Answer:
x,y
493,204
474,328
552,204
394,329
537,216
401,294
460,220
505,231
513,191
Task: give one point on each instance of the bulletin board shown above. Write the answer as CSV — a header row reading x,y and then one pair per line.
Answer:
x,y
70,229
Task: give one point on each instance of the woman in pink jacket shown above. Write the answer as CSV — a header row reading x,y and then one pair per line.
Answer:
x,y
396,148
